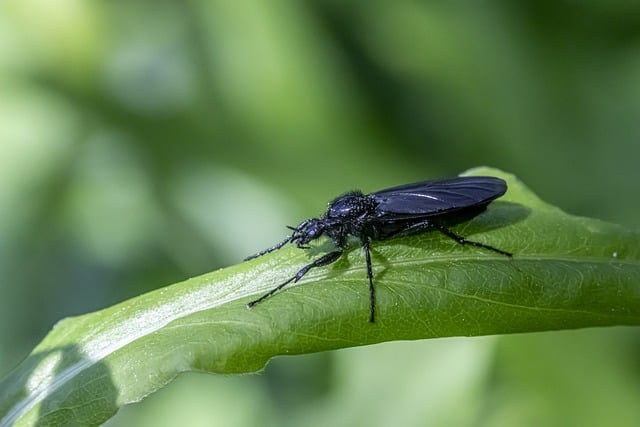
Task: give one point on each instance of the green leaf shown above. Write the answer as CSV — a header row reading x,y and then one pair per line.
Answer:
x,y
567,272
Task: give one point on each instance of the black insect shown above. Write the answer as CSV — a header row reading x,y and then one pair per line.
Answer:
x,y
398,211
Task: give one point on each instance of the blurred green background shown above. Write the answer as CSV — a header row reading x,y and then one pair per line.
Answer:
x,y
144,142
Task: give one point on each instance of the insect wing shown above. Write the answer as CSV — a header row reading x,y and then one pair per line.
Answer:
x,y
426,198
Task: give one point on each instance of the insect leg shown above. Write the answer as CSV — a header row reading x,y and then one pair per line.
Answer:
x,y
323,260
463,241
372,291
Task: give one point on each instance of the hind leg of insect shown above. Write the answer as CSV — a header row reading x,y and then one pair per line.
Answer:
x,y
463,241
323,260
428,225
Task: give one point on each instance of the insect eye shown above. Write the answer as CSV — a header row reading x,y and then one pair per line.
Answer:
x,y
312,230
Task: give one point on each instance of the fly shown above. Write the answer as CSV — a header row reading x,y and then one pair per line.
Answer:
x,y
398,211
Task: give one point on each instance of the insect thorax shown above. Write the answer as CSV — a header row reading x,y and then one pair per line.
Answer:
x,y
346,216
350,206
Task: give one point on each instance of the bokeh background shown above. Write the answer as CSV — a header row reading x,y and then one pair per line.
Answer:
x,y
145,142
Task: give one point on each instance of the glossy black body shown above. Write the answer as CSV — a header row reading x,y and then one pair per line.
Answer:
x,y
407,209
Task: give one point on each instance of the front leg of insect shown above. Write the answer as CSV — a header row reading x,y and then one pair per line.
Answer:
x,y
324,260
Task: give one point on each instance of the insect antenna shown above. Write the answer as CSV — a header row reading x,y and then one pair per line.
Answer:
x,y
272,248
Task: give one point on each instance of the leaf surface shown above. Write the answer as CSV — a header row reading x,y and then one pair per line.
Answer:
x,y
567,272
